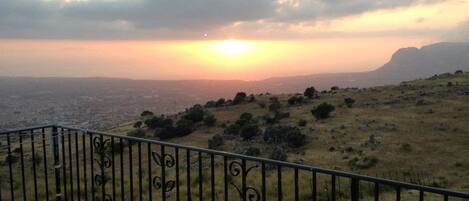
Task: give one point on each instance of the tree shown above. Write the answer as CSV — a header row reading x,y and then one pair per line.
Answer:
x,y
239,98
158,122
195,113
334,88
146,113
249,131
322,111
211,104
311,92
210,120
220,102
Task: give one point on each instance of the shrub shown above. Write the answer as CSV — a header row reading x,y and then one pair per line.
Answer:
x,y
281,115
249,131
138,124
295,100
195,113
251,98
244,118
349,102
458,72
210,120
140,133
215,141
302,122
232,129
146,113
239,98
184,127
274,105
220,102
311,92
323,111
211,104
262,104
252,151
334,88
158,122
279,134
278,154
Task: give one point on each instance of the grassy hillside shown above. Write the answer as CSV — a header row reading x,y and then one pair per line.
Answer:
x,y
417,131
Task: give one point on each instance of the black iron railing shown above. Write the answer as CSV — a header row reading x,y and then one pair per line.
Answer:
x,y
63,163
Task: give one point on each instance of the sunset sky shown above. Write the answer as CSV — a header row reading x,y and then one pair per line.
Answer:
x,y
217,39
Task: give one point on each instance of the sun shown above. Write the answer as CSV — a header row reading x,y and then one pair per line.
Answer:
x,y
232,47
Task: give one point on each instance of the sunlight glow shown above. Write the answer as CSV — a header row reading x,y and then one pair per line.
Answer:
x,y
232,47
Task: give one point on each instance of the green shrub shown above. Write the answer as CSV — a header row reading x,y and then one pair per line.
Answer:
x,y
322,111
274,105
295,100
287,134
362,163
146,113
349,102
278,154
138,124
220,102
210,120
311,92
239,98
195,113
215,141
158,122
232,129
249,131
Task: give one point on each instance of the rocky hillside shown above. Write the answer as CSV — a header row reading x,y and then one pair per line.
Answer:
x,y
416,131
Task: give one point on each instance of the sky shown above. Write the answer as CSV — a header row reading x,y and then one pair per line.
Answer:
x,y
217,39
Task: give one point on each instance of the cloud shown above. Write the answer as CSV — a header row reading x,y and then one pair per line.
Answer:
x,y
167,19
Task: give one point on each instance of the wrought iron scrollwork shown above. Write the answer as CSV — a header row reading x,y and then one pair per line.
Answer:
x,y
168,161
104,161
235,169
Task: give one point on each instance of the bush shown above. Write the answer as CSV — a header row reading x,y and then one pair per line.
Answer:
x,y
244,118
262,104
195,113
274,105
146,113
281,115
138,124
249,131
302,122
349,102
220,102
311,92
251,98
459,72
239,98
211,104
232,129
278,154
158,122
252,151
334,88
184,127
140,133
215,141
210,120
323,111
295,100
279,134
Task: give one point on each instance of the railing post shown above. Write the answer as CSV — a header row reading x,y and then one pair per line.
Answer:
x,y
355,189
57,165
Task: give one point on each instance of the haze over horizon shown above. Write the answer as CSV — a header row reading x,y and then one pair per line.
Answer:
x,y
172,40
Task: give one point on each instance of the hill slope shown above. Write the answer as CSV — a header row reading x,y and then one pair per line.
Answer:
x,y
416,131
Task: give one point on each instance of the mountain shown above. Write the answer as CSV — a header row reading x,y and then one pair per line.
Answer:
x,y
405,64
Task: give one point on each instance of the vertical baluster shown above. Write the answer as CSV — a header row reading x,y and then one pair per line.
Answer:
x,y
56,150
77,162
333,187
64,163
398,194
163,173
355,189
131,177
315,188
376,192
121,144
445,197
10,169
225,174
421,195
176,150
243,179
212,175
279,183
92,167
44,155
85,176
201,192
33,150
103,179
23,179
263,182
113,173
188,174
149,172
70,163
140,190
297,194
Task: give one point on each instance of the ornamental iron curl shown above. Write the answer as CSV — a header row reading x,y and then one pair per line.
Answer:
x,y
169,160
104,160
158,184
235,169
